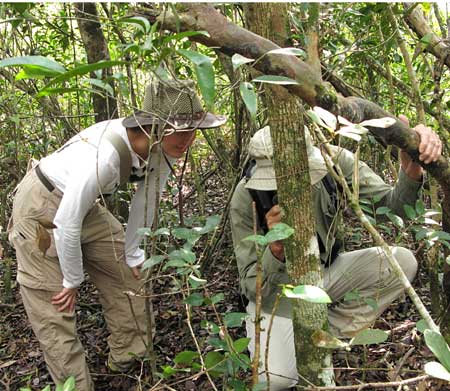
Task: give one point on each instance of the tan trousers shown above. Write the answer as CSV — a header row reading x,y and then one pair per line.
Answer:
x,y
40,278
365,272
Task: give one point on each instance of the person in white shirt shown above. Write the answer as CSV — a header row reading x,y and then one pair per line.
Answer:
x,y
59,227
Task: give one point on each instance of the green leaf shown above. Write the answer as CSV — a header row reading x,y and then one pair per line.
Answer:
x,y
188,234
210,326
409,211
311,293
183,254
258,239
196,281
20,7
82,70
176,263
186,357
272,79
152,261
421,234
213,221
420,207
398,221
41,62
288,51
161,231
234,319
205,74
437,370
421,326
237,60
237,385
441,235
426,39
35,72
213,362
369,337
144,231
195,299
217,298
437,344
218,343
69,384
140,21
101,84
279,231
249,97
211,224
382,210
168,371
241,344
46,388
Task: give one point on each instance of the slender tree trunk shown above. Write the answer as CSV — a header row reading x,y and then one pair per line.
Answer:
x,y
285,116
105,106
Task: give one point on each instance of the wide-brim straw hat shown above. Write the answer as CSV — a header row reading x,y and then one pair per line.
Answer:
x,y
173,104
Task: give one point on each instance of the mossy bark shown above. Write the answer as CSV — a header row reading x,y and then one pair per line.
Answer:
x,y
285,117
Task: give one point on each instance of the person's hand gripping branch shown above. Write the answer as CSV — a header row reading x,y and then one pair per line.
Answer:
x,y
430,148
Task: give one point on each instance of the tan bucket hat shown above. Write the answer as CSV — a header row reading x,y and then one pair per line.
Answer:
x,y
263,177
173,104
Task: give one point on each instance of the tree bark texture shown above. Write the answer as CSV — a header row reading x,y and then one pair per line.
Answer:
x,y
285,116
96,47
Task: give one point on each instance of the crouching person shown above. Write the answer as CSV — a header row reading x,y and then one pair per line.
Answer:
x,y
59,228
366,271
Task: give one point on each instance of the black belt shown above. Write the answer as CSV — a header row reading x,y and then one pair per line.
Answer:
x,y
48,185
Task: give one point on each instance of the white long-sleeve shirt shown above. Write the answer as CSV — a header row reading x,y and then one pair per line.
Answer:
x,y
89,166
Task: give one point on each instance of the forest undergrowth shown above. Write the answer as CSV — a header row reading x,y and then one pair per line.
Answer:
x,y
400,357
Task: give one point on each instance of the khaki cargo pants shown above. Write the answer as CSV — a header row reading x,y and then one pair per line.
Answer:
x,y
364,272
40,278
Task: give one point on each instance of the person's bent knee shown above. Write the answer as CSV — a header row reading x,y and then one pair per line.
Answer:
x,y
407,261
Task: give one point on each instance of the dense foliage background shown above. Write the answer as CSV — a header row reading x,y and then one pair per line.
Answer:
x,y
50,92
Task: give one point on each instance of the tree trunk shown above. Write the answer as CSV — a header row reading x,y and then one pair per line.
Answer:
x,y
285,116
105,106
